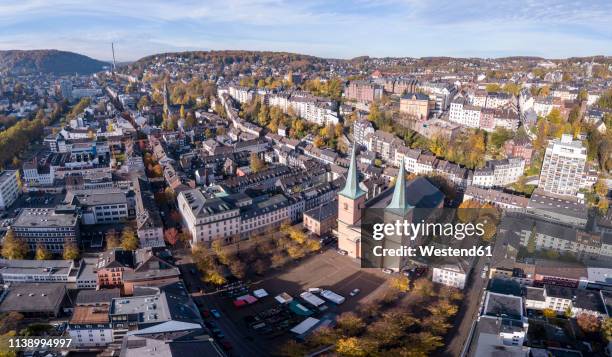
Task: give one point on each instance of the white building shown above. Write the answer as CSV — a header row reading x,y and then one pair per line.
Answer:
x,y
9,188
208,219
563,166
453,275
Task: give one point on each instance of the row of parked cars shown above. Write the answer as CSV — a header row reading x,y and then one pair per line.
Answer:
x,y
209,317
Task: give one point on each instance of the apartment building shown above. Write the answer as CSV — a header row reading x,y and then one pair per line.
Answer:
x,y
313,109
497,173
384,144
9,188
451,274
241,94
50,227
465,114
563,166
361,130
519,148
363,91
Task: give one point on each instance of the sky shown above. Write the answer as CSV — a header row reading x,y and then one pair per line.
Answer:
x,y
326,28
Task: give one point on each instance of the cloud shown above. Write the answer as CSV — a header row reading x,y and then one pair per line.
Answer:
x,y
319,27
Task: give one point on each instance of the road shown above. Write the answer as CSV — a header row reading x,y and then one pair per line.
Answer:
x,y
241,342
469,310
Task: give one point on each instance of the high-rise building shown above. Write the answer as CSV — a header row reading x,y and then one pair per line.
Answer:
x,y
9,188
563,166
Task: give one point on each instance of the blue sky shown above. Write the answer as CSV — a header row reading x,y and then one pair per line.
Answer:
x,y
341,29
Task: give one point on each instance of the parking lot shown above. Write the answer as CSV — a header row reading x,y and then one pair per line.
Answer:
x,y
327,270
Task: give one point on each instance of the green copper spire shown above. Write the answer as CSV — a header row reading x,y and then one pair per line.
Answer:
x,y
399,202
351,189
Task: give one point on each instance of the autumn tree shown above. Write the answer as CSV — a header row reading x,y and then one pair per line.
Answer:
x,y
112,239
606,328
400,283
71,251
350,347
257,164
549,313
13,248
171,236
349,324
129,240
423,287
589,323
42,253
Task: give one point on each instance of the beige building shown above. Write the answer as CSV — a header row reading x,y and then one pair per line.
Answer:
x,y
416,105
322,219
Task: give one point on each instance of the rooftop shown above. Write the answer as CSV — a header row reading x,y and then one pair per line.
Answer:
x,y
45,217
90,315
33,297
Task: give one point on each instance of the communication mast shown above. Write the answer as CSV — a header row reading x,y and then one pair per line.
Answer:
x,y
114,63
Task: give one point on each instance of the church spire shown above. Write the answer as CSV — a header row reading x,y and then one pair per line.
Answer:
x,y
399,192
351,189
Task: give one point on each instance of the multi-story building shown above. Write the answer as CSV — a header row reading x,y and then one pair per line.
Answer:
x,y
9,188
89,325
384,144
441,93
543,106
50,227
361,130
465,114
498,173
363,91
452,274
127,269
308,107
149,225
519,148
38,271
209,219
241,94
100,206
416,105
563,166
322,219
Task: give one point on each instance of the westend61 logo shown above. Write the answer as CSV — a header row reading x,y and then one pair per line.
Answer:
x,y
394,239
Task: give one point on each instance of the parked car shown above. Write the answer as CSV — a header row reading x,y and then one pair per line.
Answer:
x,y
226,345
205,313
355,292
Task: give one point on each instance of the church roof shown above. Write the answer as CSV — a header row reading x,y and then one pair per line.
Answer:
x,y
351,189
